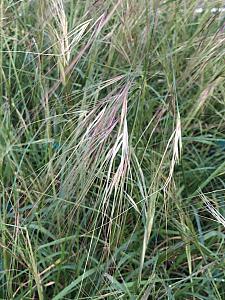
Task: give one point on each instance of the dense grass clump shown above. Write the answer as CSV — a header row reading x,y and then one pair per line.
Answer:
x,y
112,150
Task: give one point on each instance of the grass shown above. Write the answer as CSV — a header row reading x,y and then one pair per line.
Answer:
x,y
112,152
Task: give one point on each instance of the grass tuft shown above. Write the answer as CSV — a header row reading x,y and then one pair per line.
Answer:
x,y
112,139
